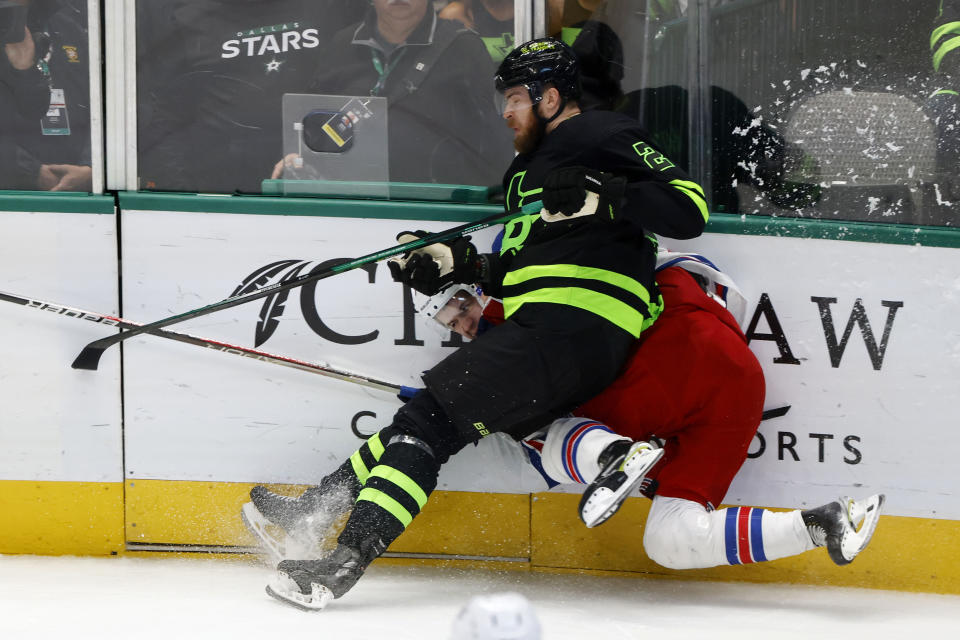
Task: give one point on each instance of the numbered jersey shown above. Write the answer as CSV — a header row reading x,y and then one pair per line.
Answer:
x,y
601,266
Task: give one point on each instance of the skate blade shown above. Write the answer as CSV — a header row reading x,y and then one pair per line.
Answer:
x,y
856,541
258,526
604,502
286,591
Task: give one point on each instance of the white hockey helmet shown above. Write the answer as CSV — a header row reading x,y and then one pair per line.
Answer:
x,y
430,306
498,616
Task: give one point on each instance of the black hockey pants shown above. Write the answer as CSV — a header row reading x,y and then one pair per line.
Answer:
x,y
515,378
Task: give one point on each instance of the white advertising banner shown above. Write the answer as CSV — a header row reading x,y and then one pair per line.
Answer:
x,y
57,423
199,414
860,343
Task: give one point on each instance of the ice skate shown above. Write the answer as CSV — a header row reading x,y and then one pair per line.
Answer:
x,y
311,584
845,526
289,527
623,466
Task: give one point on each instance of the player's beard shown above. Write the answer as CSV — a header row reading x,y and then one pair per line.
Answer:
x,y
529,139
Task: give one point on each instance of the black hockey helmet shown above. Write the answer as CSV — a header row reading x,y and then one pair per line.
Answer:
x,y
537,63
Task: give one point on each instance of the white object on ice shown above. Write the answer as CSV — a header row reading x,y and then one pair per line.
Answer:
x,y
498,616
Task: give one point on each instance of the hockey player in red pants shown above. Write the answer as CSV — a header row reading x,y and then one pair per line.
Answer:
x,y
693,384
698,389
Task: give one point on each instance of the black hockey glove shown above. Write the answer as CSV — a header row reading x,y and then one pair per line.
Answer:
x,y
433,267
565,191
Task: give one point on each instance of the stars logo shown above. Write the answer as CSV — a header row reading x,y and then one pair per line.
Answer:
x,y
498,47
274,65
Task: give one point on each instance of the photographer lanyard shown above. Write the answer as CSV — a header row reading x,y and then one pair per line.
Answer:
x,y
383,72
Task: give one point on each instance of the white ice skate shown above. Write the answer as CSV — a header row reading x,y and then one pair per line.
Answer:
x,y
845,526
623,466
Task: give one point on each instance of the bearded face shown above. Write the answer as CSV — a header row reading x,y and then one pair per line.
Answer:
x,y
519,116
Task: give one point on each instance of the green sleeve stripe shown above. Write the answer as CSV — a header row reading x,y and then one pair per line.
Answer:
x,y
944,49
693,190
575,271
949,27
945,92
386,503
359,468
688,184
403,481
376,447
607,307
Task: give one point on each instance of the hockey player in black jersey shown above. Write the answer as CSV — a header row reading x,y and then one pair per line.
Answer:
x,y
577,284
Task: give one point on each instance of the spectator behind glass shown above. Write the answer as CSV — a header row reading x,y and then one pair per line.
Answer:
x,y
759,159
491,19
24,97
61,140
211,76
435,74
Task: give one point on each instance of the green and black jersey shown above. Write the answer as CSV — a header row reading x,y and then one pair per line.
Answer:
x,y
605,268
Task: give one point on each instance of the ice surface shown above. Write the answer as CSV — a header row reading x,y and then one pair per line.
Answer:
x,y
163,598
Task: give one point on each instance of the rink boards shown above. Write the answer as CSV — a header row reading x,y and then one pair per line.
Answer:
x,y
855,327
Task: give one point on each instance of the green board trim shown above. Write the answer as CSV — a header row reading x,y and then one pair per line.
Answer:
x,y
299,206
722,223
948,237
460,194
60,202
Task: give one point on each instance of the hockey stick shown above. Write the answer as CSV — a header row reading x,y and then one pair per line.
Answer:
x,y
263,356
89,357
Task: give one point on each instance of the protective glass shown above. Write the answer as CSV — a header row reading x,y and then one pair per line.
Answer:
x,y
45,133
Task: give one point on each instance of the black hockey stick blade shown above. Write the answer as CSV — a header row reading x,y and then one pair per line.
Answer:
x,y
89,357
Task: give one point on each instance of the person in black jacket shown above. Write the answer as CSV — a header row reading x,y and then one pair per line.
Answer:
x,y
210,80
24,97
577,285
62,141
435,75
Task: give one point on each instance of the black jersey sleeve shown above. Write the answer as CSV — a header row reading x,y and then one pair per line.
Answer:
x,y
660,196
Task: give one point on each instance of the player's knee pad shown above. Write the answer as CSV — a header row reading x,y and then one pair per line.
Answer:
x,y
571,447
424,419
682,534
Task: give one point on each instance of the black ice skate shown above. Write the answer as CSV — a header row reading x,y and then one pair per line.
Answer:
x,y
623,466
290,527
311,584
844,527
